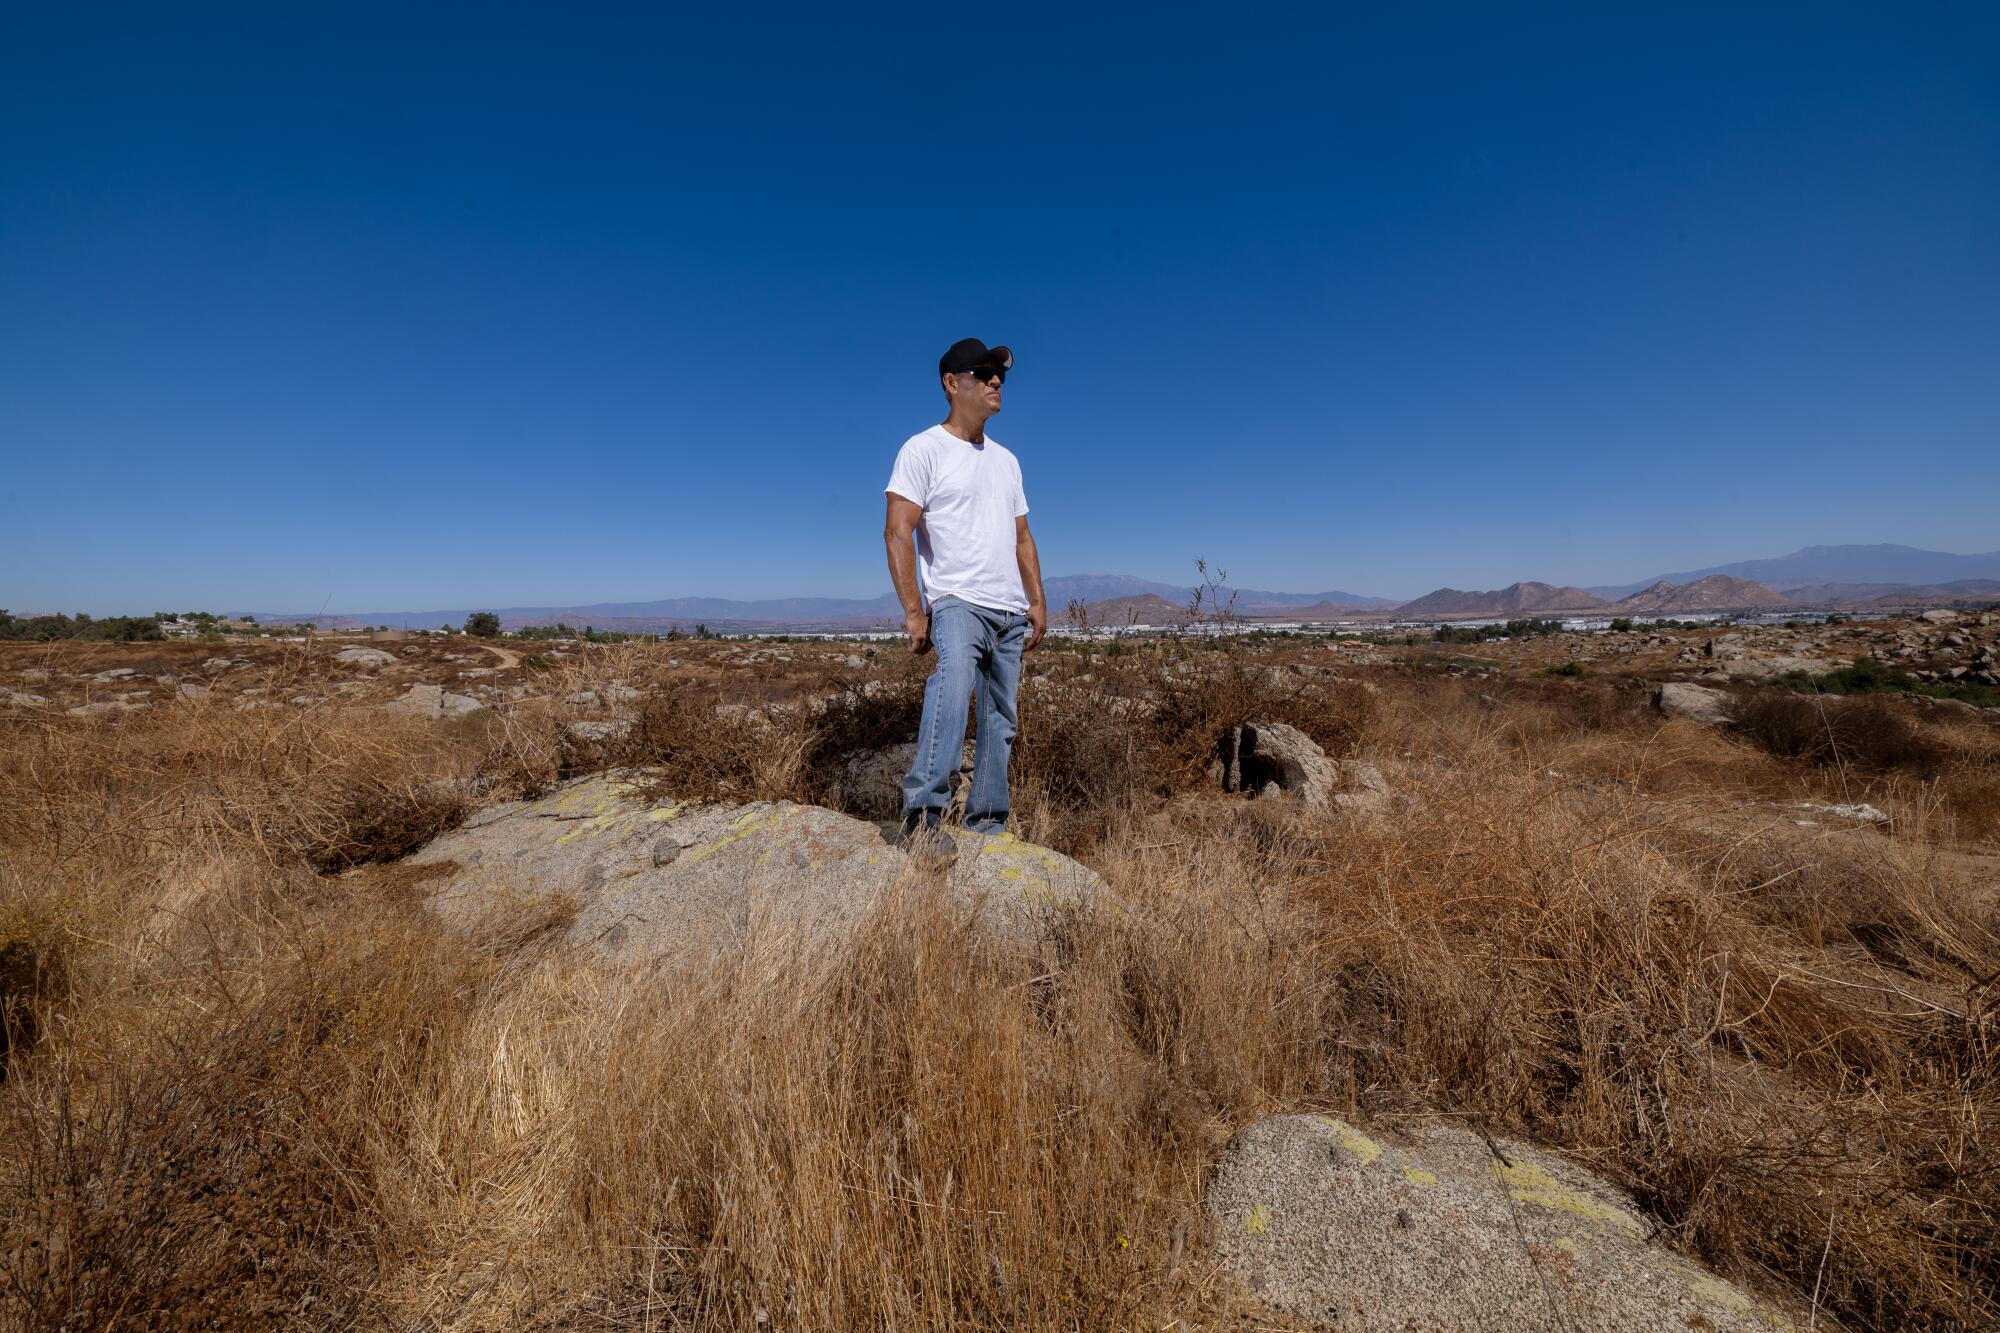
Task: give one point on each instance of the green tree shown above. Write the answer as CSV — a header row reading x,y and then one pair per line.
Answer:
x,y
484,624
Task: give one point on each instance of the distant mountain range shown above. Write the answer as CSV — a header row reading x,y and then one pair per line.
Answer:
x,y
1089,588
723,613
1888,565
1878,576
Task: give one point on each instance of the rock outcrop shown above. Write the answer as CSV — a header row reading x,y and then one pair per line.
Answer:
x,y
1697,703
1717,592
1447,1230
1276,758
652,881
368,659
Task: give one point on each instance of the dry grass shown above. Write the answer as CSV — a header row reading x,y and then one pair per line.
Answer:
x,y
244,1094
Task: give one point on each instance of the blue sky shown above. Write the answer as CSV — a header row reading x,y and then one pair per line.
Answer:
x,y
407,307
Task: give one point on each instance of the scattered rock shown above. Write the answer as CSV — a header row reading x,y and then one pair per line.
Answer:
x,y
1761,668
106,707
764,868
23,699
114,674
368,659
432,701
1440,1231
1727,648
581,699
1940,617
1860,810
35,676
189,690
1365,789
1697,703
756,718
598,732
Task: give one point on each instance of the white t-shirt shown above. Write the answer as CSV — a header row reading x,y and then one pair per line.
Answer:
x,y
970,494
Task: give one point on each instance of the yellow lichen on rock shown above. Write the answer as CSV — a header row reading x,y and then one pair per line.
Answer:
x,y
1416,1175
744,826
1258,1220
1354,1140
595,825
1527,1183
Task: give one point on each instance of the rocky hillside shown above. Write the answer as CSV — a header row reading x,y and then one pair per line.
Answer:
x,y
1940,594
1514,599
1717,592
1143,609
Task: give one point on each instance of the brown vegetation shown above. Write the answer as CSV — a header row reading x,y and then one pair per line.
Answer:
x,y
244,1093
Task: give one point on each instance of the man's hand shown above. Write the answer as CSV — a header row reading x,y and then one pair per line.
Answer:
x,y
1038,619
917,624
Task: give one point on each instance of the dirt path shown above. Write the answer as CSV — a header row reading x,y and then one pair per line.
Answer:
x,y
509,659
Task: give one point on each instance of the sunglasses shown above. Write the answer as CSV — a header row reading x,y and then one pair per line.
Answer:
x,y
986,374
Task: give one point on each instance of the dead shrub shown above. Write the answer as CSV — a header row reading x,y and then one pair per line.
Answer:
x,y
375,821
1865,732
31,974
177,1189
707,747
855,713
1972,793
1078,759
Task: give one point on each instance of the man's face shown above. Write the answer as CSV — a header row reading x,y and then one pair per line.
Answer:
x,y
979,387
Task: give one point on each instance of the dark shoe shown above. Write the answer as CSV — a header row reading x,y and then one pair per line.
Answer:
x,y
924,838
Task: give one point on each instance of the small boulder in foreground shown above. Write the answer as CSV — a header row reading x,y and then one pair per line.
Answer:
x,y
1697,703
1276,758
433,701
1437,1230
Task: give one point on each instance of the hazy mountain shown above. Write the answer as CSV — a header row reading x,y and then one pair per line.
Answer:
x,y
1883,564
720,612
1328,610
1515,599
670,611
1103,587
1251,600
1717,592
1087,588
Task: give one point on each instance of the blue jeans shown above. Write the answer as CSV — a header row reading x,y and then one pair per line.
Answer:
x,y
978,655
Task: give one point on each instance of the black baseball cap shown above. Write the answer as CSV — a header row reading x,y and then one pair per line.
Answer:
x,y
966,353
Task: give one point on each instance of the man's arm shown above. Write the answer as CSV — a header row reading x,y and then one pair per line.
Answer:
x,y
1030,561
904,515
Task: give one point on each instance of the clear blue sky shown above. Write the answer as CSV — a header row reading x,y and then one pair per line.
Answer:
x,y
370,308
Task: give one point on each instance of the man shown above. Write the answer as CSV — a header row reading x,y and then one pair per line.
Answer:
x,y
958,493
